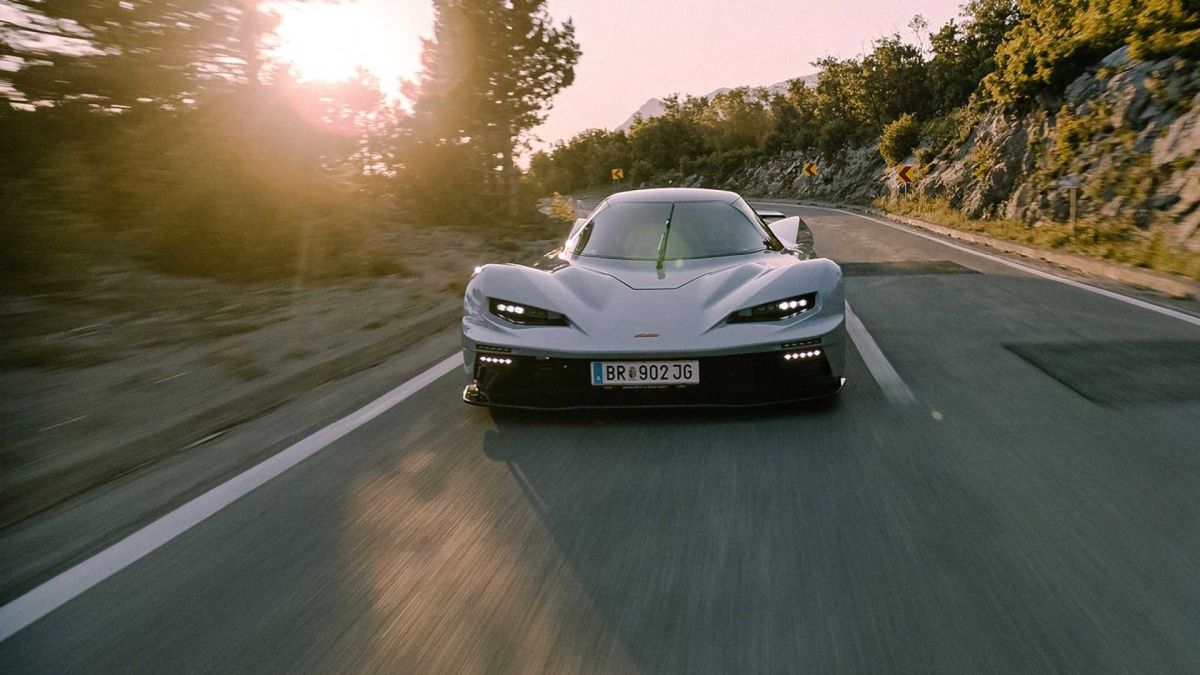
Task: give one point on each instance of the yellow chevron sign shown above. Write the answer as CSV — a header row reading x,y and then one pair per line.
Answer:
x,y
618,173
810,169
902,173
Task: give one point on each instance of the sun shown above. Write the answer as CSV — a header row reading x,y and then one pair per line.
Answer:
x,y
330,41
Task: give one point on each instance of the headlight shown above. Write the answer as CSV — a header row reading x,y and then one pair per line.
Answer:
x,y
525,315
775,311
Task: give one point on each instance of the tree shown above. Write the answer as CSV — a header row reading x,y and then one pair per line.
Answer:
x,y
793,116
894,82
114,55
839,105
584,160
737,119
489,75
1054,41
662,143
151,128
899,139
964,53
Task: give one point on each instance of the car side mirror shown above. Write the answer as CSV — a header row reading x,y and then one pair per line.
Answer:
x,y
787,230
579,223
794,233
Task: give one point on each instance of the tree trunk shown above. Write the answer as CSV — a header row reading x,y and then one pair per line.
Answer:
x,y
509,170
249,34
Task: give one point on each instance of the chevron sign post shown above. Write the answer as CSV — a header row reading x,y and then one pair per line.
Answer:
x,y
904,177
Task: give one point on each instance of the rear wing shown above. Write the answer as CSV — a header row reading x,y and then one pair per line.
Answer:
x,y
769,216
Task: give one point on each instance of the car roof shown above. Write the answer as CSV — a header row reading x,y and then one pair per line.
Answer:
x,y
673,195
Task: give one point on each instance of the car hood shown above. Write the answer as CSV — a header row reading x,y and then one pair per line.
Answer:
x,y
611,303
644,275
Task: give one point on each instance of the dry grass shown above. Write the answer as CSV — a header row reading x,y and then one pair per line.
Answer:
x,y
1117,241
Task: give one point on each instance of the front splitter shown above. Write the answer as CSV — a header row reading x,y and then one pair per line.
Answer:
x,y
473,396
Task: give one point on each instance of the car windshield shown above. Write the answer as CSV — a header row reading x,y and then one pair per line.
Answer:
x,y
693,229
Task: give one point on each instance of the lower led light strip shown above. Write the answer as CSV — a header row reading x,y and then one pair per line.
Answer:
x,y
809,354
495,360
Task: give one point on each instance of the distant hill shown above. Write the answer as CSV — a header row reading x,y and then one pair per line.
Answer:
x,y
655,107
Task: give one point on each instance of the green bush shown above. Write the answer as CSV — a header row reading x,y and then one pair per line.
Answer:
x,y
1072,132
899,139
562,208
1057,40
983,157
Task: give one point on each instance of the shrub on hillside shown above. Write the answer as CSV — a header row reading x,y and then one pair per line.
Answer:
x,y
899,139
562,208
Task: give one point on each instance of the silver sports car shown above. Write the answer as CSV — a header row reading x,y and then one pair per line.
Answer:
x,y
663,297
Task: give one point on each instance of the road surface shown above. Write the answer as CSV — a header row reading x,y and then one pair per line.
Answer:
x,y
1010,482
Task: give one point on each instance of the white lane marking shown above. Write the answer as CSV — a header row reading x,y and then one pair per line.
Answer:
x,y
529,486
1165,311
63,423
881,369
56,592
176,376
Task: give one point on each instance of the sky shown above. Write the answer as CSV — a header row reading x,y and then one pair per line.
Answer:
x,y
637,49
632,49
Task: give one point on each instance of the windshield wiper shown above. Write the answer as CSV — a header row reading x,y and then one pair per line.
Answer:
x,y
662,244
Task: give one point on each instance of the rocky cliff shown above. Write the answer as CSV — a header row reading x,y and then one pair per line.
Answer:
x,y
1128,131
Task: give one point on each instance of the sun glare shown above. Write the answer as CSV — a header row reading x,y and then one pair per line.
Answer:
x,y
326,41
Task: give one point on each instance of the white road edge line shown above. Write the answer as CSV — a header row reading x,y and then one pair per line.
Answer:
x,y
1165,311
894,387
541,503
56,592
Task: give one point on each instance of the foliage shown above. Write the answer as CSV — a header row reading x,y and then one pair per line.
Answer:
x,y
586,159
562,208
1117,241
663,143
1054,41
235,188
951,129
125,55
718,166
899,139
984,157
155,129
490,73
1071,132
894,83
963,53
736,119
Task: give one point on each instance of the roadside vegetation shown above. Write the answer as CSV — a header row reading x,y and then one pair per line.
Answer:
x,y
926,86
160,132
940,95
1116,241
187,226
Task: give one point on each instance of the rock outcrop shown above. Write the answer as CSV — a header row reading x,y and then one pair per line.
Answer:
x,y
1128,131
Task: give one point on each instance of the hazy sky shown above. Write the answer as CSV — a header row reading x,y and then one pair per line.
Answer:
x,y
636,49
632,49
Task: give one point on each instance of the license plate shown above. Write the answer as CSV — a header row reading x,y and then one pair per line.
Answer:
x,y
634,373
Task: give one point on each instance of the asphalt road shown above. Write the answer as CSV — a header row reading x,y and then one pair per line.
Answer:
x,y
1033,507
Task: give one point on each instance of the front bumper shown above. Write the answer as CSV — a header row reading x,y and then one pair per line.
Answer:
x,y
548,382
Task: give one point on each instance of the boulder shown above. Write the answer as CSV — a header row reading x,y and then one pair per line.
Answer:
x,y
1083,88
1112,208
1181,139
1186,186
1187,232
1019,203
1116,59
1128,95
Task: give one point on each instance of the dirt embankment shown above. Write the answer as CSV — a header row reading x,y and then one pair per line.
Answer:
x,y
110,376
1127,132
